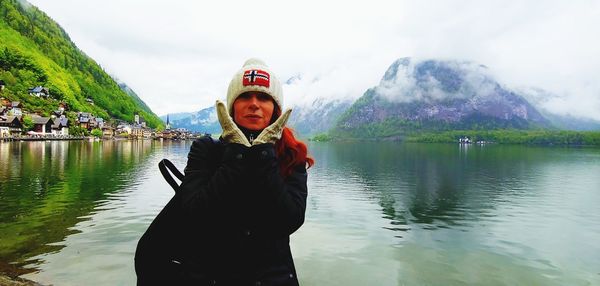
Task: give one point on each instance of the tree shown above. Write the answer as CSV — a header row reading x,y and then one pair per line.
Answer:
x,y
97,132
78,131
27,123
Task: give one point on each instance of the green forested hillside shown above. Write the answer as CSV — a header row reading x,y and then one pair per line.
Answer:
x,y
36,51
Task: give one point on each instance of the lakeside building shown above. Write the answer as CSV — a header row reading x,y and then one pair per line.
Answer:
x,y
10,126
137,132
58,124
61,126
141,132
108,132
147,133
96,122
42,125
464,140
123,128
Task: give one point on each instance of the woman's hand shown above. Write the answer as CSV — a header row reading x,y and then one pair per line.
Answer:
x,y
273,132
233,134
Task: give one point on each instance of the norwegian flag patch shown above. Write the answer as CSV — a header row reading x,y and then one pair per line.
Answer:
x,y
256,77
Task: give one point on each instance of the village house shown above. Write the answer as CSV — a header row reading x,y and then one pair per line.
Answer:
x,y
137,132
10,125
96,122
4,131
42,124
15,108
62,107
84,118
108,131
167,134
123,129
61,126
147,133
39,91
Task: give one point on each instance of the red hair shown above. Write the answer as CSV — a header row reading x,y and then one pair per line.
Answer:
x,y
291,152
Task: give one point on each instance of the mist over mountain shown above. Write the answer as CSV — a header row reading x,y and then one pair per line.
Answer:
x,y
437,95
317,117
545,101
204,121
416,96
176,116
309,116
124,87
306,120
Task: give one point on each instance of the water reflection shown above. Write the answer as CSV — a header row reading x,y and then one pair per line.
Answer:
x,y
48,187
378,213
482,214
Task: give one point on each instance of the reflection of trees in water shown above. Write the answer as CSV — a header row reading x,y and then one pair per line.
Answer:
x,y
439,186
48,187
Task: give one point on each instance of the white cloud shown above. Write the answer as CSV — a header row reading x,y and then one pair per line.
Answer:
x,y
179,55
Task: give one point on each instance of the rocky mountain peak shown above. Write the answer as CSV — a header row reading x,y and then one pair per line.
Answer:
x,y
442,94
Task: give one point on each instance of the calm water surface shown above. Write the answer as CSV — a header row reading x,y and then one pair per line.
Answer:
x,y
378,213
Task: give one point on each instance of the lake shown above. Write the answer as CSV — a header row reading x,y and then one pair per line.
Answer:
x,y
378,213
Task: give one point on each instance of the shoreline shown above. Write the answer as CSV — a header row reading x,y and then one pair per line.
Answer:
x,y
87,139
16,281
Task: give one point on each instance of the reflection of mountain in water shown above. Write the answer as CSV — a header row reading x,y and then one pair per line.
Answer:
x,y
47,188
445,214
440,186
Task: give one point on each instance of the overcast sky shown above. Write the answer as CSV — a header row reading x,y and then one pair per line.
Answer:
x,y
179,55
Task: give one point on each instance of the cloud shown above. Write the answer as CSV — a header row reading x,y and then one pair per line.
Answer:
x,y
406,80
179,55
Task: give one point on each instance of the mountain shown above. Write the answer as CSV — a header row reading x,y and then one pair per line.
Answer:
x,y
570,122
36,51
204,121
317,117
434,95
176,116
306,120
124,87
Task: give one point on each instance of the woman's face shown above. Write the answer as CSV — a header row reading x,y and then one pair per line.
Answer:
x,y
253,110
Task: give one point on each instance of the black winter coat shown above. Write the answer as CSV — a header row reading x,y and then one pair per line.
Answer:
x,y
229,223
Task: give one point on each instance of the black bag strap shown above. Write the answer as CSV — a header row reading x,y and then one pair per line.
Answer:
x,y
165,164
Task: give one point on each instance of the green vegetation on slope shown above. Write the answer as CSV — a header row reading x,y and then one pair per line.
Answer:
x,y
35,51
506,136
540,137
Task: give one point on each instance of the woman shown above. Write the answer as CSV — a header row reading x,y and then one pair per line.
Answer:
x,y
241,198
